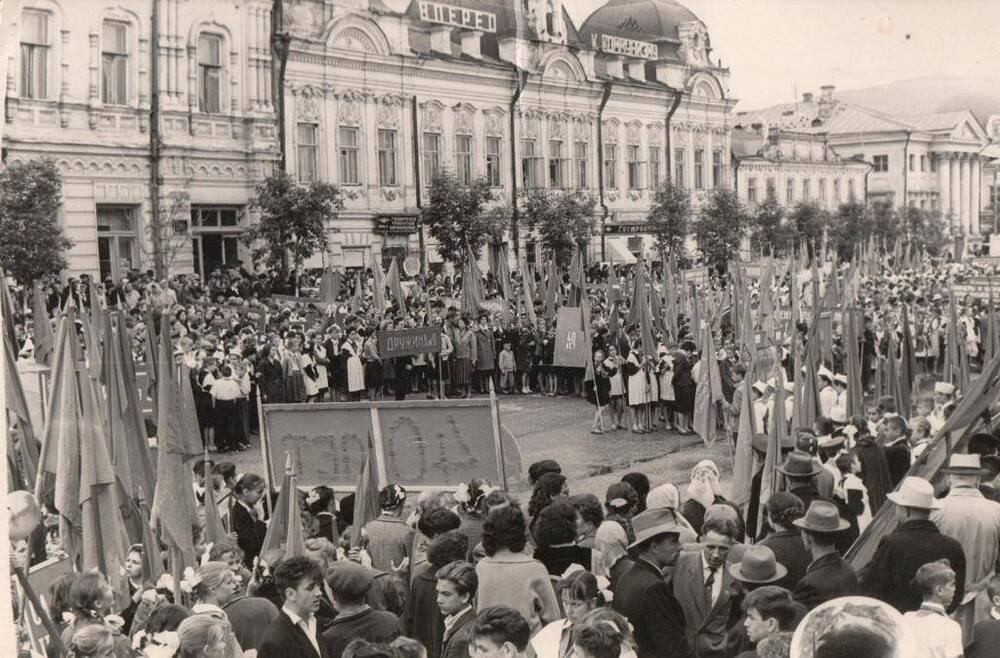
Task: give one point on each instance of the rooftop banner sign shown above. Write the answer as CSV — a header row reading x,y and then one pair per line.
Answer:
x,y
613,45
470,19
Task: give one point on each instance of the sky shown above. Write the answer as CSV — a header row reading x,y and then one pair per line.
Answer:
x,y
777,49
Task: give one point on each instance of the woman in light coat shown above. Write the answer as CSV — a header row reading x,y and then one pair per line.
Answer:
x,y
351,349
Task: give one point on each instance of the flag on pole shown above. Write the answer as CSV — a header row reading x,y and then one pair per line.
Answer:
x,y
992,337
956,365
212,530
614,285
551,290
358,300
588,375
743,459
980,397
771,481
284,530
44,339
366,505
152,563
638,306
7,309
378,289
22,446
329,287
907,360
396,286
708,391
855,391
527,298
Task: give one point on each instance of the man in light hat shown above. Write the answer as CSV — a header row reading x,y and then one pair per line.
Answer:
x,y
974,521
915,542
828,576
828,397
944,394
644,596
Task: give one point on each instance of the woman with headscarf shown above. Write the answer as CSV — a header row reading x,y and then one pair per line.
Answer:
x,y
666,496
615,532
703,491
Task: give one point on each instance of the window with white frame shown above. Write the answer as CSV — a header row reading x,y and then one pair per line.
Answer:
x,y
880,163
114,63
772,190
680,177
35,48
654,167
850,189
717,173
790,192
822,189
634,167
806,190
387,157
529,164
582,165
209,73
117,240
611,166
699,169
836,190
430,149
494,175
349,147
463,159
752,189
556,164
307,150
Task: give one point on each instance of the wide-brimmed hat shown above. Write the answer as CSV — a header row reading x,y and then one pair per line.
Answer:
x,y
654,522
915,492
799,464
758,566
822,516
959,464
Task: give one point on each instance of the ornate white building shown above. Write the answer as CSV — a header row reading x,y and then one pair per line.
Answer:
x,y
379,101
793,167
80,90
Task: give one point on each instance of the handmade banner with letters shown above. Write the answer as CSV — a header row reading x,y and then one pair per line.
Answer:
x,y
571,350
406,342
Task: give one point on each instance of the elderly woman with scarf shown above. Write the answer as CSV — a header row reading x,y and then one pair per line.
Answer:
x,y
703,491
615,532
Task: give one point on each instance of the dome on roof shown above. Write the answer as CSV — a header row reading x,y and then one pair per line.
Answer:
x,y
646,20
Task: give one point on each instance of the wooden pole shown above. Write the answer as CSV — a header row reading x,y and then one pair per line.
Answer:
x,y
40,610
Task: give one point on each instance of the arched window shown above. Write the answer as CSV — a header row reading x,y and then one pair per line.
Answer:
x,y
114,62
36,52
210,68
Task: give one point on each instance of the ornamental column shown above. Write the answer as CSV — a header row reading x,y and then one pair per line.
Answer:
x,y
956,193
966,193
976,183
944,185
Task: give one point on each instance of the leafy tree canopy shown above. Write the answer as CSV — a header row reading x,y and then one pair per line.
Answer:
x,y
457,218
671,212
563,220
32,243
720,229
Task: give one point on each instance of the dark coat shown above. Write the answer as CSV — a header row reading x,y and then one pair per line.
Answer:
x,y
807,493
910,546
791,553
986,639
286,640
422,619
250,533
874,471
645,598
457,638
368,624
827,578
250,617
271,381
705,623
897,457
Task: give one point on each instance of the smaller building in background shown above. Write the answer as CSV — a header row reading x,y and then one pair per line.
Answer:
x,y
793,166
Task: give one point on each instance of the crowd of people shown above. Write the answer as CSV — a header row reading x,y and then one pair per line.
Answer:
x,y
473,570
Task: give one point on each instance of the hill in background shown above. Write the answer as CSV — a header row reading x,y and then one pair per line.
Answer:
x,y
928,95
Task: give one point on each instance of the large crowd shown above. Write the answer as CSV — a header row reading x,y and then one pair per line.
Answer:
x,y
474,570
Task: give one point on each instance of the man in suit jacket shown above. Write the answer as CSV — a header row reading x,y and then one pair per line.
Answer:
x,y
915,542
703,586
828,576
456,589
294,633
644,596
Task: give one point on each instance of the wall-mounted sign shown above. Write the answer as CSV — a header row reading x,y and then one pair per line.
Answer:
x,y
470,19
631,228
398,224
622,46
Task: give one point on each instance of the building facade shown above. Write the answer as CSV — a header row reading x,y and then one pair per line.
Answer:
x,y
793,167
931,161
159,117
379,102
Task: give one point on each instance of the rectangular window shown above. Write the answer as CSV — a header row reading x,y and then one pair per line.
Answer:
x,y
751,190
529,164
934,163
654,167
699,169
923,163
34,53
850,190
679,174
634,168
717,180
387,157
215,237
611,166
307,144
836,190
209,73
116,240
806,189
430,147
880,163
463,158
556,163
790,192
347,140
114,63
581,165
493,161
912,163
772,190
822,189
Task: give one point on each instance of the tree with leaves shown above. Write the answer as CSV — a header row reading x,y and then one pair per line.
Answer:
x,y
769,231
810,221
721,226
671,216
563,220
851,226
457,217
885,221
923,229
293,222
32,243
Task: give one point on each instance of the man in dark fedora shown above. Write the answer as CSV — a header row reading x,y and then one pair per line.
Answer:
x,y
644,596
800,471
828,575
974,521
915,542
